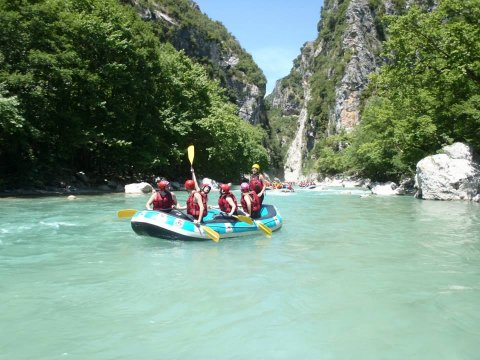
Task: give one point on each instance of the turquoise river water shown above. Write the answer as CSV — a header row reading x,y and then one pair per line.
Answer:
x,y
347,277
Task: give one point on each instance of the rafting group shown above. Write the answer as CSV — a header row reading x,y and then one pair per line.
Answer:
x,y
164,218
279,186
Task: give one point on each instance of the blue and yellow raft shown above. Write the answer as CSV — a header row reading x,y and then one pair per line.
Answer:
x,y
175,225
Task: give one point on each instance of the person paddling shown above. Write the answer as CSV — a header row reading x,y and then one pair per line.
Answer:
x,y
250,201
197,200
162,200
204,190
227,202
257,182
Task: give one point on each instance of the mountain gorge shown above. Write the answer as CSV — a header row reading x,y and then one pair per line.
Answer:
x,y
322,96
119,89
181,23
357,68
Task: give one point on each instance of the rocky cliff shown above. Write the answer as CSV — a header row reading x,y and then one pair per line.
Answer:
x,y
181,23
323,91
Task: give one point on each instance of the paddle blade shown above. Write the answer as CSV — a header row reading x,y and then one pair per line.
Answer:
x,y
126,213
212,234
245,219
191,154
265,229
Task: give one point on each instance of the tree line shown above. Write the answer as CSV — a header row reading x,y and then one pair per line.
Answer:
x,y
425,96
87,85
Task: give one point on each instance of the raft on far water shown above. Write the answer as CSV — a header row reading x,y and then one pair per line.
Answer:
x,y
175,225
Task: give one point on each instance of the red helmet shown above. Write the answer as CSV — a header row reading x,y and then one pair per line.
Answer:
x,y
244,187
225,188
189,185
162,185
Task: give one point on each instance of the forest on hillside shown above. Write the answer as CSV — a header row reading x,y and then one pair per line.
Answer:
x,y
86,85
422,94
425,96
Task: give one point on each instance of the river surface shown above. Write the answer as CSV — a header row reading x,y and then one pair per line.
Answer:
x,y
347,277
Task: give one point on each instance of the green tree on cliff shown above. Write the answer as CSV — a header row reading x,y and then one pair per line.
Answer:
x,y
426,95
98,92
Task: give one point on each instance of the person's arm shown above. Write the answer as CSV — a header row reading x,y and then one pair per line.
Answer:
x,y
249,203
175,202
198,198
150,201
194,178
180,207
232,205
262,179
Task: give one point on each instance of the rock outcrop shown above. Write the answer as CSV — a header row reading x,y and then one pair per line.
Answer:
x,y
299,146
452,175
361,41
138,188
209,43
333,70
357,47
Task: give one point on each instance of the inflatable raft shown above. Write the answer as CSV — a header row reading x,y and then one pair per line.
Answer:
x,y
175,225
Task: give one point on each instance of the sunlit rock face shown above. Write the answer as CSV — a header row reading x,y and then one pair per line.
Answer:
x,y
223,62
138,188
361,44
452,175
292,93
361,41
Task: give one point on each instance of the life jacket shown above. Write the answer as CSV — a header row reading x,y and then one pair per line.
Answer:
x,y
223,203
254,200
194,208
163,202
255,183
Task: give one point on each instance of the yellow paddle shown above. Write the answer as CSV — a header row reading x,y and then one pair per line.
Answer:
x,y
245,219
250,221
126,213
212,234
264,228
191,154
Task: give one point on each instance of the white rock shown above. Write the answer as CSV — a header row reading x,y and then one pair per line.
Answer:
x,y
138,188
449,176
458,151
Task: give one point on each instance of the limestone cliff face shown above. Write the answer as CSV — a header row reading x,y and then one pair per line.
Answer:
x,y
293,100
182,23
361,40
324,88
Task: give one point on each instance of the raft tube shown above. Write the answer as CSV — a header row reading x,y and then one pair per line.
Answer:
x,y
176,225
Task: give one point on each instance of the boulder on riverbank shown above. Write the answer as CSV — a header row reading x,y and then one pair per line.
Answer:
x,y
138,188
452,175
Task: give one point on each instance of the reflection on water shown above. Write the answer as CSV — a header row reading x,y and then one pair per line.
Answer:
x,y
346,277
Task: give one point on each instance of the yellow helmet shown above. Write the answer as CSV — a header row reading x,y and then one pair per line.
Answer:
x,y
256,166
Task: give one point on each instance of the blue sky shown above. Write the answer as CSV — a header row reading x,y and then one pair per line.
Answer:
x,y
272,31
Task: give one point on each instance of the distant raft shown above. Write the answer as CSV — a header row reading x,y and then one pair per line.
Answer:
x,y
175,225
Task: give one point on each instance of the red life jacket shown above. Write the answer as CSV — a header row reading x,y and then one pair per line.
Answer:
x,y
255,183
194,208
163,202
254,200
223,203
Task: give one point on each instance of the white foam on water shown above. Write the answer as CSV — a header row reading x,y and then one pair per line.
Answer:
x,y
459,287
56,224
